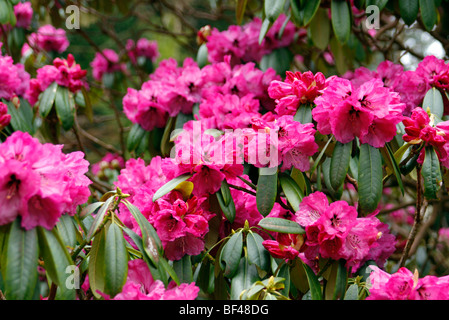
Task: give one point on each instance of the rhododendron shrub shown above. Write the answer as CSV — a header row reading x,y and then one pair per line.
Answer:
x,y
295,153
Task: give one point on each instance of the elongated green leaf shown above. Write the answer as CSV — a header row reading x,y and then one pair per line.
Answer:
x,y
90,208
310,9
314,284
341,20
257,254
183,268
169,269
47,99
431,173
397,171
281,225
240,10
231,253
5,11
246,275
165,141
297,12
66,229
266,191
370,177
20,275
19,120
291,190
99,217
151,242
57,263
428,13
229,209
340,164
278,59
326,177
135,136
65,107
352,293
320,29
409,10
434,101
170,185
304,114
337,281
266,25
273,9
96,264
115,260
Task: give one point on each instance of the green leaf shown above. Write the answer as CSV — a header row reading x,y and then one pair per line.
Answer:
x,y
370,178
339,166
151,242
297,12
170,185
115,261
428,13
20,274
431,173
169,269
378,3
310,9
273,9
57,262
320,29
326,176
65,107
337,281
99,217
266,191
246,275
281,225
19,119
341,20
231,253
47,99
66,228
409,10
434,101
304,114
135,136
291,190
314,284
257,254
226,202
166,144
266,25
240,10
352,293
183,268
397,171
278,59
96,264
5,11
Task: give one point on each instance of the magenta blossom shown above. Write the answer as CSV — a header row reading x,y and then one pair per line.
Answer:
x,y
143,48
15,80
38,182
5,118
49,38
24,14
106,62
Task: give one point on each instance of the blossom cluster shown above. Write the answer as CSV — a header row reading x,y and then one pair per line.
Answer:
x,y
334,230
405,285
65,72
48,38
38,182
241,43
15,80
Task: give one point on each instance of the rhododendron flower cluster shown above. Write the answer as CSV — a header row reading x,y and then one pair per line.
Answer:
x,y
38,182
15,80
420,128
334,230
369,112
405,285
65,72
106,62
140,285
48,38
24,14
297,89
142,48
241,43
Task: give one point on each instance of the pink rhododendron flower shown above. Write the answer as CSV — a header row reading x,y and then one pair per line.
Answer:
x,y
49,38
280,251
15,80
65,72
142,48
405,285
420,128
24,14
5,118
140,285
297,89
38,182
434,71
369,112
334,231
105,62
